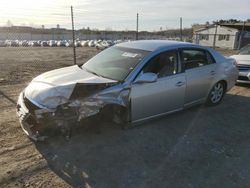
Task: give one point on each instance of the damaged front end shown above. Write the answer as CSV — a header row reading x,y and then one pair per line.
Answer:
x,y
36,120
61,113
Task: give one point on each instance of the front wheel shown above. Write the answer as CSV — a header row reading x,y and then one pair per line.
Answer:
x,y
216,94
120,117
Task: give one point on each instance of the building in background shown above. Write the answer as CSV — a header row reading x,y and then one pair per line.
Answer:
x,y
228,35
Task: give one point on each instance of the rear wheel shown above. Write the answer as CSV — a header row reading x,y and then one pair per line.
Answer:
x,y
216,94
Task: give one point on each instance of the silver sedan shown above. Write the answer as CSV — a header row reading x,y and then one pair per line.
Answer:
x,y
127,83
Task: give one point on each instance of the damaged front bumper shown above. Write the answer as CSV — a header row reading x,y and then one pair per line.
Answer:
x,y
27,120
36,120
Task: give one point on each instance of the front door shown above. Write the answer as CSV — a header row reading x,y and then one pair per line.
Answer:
x,y
163,96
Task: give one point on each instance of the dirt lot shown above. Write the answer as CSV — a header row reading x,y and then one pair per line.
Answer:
x,y
199,147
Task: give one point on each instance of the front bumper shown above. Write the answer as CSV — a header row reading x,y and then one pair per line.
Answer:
x,y
28,120
38,122
244,77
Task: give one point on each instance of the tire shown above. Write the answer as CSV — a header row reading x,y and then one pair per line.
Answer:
x,y
120,118
115,114
216,94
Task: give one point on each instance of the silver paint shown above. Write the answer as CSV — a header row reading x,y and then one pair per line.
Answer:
x,y
52,90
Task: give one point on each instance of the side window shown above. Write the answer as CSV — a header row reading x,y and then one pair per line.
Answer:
x,y
193,58
164,64
210,58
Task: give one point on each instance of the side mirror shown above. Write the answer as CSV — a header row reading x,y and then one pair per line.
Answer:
x,y
148,77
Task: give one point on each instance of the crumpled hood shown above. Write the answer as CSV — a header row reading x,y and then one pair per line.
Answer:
x,y
55,87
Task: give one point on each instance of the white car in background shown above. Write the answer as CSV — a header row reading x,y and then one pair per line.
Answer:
x,y
243,62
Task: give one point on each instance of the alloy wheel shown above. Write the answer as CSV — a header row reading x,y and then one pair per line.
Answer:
x,y
217,93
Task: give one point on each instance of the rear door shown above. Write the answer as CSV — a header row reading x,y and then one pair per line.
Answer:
x,y
199,67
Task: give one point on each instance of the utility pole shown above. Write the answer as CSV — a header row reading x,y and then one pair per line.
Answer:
x,y
241,35
137,26
73,35
215,35
181,28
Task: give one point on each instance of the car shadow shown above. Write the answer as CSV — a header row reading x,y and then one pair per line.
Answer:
x,y
151,154
243,85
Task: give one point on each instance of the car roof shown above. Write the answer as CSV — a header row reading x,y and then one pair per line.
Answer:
x,y
152,45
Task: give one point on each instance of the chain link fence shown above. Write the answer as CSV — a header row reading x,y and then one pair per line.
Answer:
x,y
27,52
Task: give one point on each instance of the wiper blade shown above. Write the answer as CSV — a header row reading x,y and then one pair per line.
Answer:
x,y
92,72
97,74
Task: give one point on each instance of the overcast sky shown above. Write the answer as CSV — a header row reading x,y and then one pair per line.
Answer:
x,y
121,15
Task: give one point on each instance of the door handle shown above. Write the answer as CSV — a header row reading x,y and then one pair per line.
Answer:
x,y
180,83
212,72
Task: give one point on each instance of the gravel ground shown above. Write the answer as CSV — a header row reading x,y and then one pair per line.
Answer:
x,y
199,147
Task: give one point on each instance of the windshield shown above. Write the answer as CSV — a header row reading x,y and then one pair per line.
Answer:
x,y
245,50
115,62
